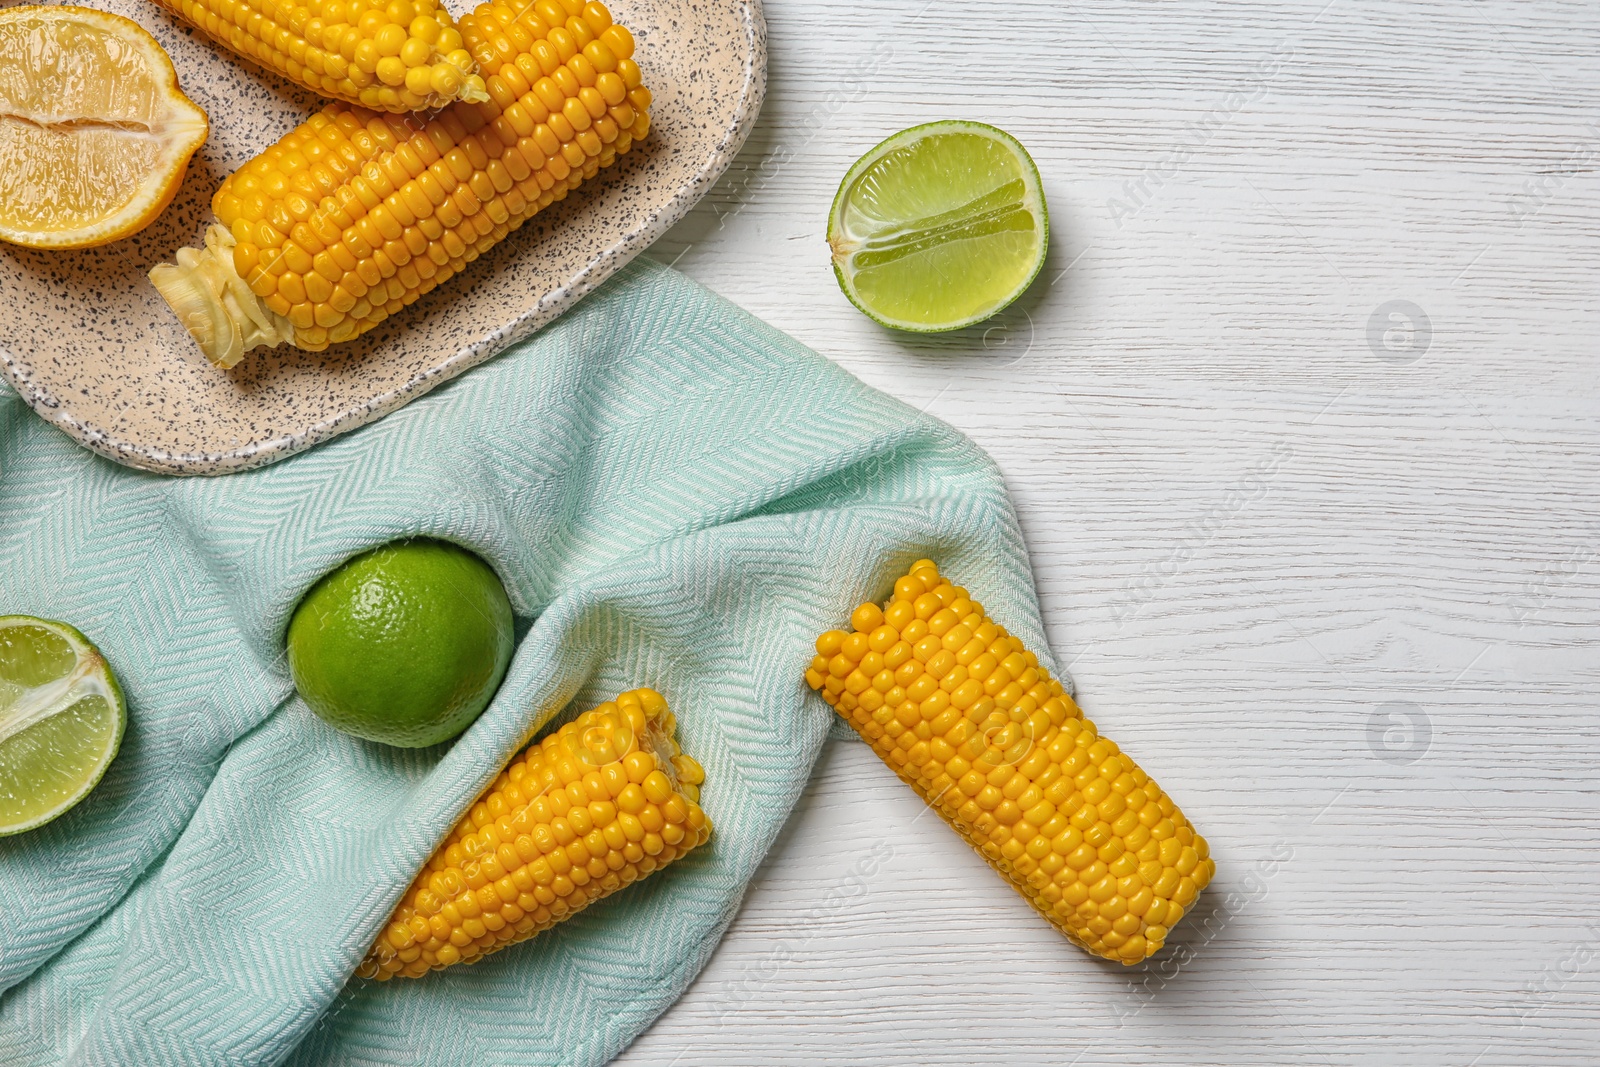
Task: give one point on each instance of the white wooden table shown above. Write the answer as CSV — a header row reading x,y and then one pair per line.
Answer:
x,y
1303,425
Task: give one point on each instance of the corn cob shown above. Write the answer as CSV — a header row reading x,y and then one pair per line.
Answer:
x,y
405,55
354,215
593,807
965,714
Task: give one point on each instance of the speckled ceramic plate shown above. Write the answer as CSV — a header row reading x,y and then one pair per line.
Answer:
x,y
88,343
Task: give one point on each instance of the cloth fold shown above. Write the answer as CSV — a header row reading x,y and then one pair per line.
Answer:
x,y
675,495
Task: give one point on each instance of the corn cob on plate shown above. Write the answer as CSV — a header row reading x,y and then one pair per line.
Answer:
x,y
598,804
354,215
391,55
92,346
966,716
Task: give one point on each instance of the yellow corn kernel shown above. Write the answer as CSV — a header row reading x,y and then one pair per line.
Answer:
x,y
1008,760
567,823
339,48
406,201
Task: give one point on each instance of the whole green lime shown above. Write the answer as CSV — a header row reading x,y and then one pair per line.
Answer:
x,y
405,644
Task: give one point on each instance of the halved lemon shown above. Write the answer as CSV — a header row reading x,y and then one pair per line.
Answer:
x,y
61,720
95,135
939,227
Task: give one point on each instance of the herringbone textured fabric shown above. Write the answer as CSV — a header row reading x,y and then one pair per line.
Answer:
x,y
675,495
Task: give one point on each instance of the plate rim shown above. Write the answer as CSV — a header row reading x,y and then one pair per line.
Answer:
x,y
600,267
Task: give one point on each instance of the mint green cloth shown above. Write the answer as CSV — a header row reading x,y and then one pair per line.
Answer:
x,y
675,495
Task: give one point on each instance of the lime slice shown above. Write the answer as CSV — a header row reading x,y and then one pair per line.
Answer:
x,y
939,227
61,717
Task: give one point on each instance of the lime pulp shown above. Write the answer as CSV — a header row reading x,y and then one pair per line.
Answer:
x,y
939,227
61,720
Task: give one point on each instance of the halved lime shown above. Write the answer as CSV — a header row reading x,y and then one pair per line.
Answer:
x,y
939,227
61,718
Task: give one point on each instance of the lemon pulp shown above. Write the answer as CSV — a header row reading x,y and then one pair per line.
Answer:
x,y
95,135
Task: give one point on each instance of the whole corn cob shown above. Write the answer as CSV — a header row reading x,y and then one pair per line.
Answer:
x,y
965,714
596,805
354,215
399,55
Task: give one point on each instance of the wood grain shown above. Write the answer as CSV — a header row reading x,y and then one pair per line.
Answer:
x,y
1339,598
